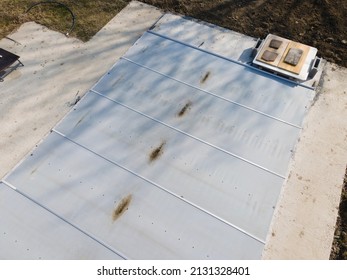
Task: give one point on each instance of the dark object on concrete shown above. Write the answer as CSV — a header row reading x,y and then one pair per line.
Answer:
x,y
6,60
256,47
269,56
293,56
315,66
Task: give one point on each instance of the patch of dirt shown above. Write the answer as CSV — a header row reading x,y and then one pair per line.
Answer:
x,y
318,23
339,247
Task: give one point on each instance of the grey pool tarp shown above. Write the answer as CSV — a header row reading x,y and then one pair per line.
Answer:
x,y
28,231
176,153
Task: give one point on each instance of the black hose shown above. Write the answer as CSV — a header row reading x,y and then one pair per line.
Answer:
x,y
60,4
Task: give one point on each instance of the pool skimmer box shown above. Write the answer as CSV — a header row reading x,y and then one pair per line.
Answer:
x,y
286,58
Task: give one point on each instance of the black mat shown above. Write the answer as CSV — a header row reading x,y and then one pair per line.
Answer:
x,y
7,59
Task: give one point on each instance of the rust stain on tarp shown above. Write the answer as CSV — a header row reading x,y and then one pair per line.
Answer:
x,y
204,79
157,152
185,109
122,206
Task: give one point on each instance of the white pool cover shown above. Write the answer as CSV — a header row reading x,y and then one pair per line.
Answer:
x,y
176,153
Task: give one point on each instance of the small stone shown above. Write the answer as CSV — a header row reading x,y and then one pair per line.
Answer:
x,y
269,56
293,56
275,44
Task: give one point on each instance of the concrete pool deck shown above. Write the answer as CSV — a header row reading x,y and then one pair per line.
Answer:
x,y
58,70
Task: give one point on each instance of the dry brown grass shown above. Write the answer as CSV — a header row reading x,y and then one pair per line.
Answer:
x,y
91,16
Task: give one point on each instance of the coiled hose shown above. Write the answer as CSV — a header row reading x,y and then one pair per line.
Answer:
x,y
60,4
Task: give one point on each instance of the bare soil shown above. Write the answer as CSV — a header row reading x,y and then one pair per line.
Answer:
x,y
339,247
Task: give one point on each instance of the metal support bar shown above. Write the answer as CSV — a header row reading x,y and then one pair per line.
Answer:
x,y
315,65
